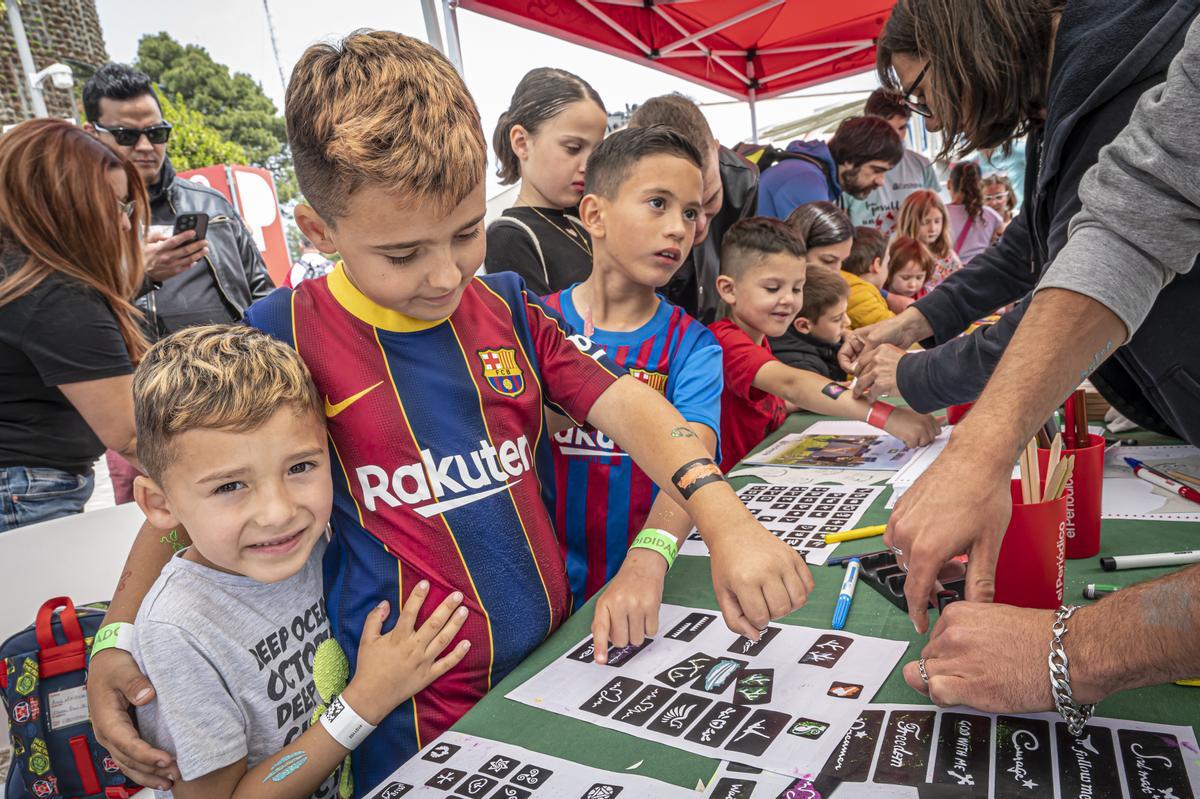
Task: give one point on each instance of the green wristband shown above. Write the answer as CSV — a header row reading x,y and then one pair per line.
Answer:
x,y
660,541
119,634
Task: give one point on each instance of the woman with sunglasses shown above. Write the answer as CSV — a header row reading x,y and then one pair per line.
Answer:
x,y
71,217
1071,75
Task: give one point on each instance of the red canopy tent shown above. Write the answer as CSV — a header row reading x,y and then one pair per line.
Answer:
x,y
748,49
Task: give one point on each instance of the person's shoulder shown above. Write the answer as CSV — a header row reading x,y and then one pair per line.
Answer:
x,y
993,215
205,195
509,285
727,333
914,157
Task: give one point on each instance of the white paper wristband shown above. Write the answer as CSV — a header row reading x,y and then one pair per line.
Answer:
x,y
344,725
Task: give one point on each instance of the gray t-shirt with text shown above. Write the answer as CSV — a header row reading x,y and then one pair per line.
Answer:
x,y
232,662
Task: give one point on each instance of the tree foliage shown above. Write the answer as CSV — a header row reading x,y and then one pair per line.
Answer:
x,y
231,103
194,143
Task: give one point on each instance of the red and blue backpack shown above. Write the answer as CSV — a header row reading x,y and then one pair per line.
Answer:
x,y
43,682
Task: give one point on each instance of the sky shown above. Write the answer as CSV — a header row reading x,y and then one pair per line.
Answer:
x,y
495,54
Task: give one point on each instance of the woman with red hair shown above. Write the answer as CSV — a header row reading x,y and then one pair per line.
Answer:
x,y
71,217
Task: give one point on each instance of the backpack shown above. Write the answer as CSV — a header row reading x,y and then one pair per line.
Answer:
x,y
765,156
43,676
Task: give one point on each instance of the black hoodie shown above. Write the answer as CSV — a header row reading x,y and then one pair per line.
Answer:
x,y
1106,56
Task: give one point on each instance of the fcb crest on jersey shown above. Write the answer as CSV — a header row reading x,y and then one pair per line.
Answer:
x,y
502,373
656,380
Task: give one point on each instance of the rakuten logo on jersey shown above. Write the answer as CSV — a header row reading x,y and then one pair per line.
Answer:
x,y
453,481
587,441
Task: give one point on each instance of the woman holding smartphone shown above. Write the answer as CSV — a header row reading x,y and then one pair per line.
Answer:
x,y
69,336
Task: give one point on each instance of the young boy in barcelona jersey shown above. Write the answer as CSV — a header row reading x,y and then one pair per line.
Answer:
x,y
642,206
436,385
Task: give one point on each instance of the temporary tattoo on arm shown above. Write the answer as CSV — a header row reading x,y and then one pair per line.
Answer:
x,y
834,390
694,475
286,766
124,579
1097,359
683,431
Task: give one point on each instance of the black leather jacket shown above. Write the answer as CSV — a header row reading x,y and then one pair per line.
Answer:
x,y
230,277
694,286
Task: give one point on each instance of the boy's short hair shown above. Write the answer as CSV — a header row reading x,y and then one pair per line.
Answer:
x,y
614,158
679,114
869,244
227,377
385,109
885,104
823,287
905,250
750,240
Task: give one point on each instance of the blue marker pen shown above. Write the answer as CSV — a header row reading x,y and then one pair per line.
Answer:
x,y
842,610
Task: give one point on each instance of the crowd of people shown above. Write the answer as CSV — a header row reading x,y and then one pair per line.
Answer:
x,y
501,447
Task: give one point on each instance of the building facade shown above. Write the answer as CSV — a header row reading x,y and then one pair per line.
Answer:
x,y
66,31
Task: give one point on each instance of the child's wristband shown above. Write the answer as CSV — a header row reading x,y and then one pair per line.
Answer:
x,y
344,725
118,635
660,541
879,413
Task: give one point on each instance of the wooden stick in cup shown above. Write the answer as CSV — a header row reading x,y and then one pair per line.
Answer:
x,y
1035,474
1024,464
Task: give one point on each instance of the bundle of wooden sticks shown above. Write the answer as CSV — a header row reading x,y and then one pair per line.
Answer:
x,y
1058,472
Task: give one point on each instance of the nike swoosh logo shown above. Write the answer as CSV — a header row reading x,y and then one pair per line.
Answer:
x,y
332,410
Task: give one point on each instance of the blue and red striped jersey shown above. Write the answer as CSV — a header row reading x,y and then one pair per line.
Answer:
x,y
442,470
603,498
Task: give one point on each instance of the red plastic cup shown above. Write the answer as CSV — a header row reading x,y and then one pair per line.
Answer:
x,y
1031,569
955,413
1083,493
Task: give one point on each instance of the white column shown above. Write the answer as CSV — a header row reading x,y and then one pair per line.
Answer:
x,y
27,65
753,119
432,31
453,46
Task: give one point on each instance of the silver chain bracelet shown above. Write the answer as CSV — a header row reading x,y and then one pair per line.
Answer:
x,y
1074,714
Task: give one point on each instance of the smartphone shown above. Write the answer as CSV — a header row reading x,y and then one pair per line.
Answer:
x,y
197,222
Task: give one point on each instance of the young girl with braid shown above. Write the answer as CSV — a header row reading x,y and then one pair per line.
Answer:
x,y
974,226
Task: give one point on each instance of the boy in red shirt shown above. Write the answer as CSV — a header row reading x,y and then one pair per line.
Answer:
x,y
762,284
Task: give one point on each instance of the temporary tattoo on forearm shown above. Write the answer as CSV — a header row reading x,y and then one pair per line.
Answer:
x,y
1097,359
172,540
694,475
124,579
834,390
286,766
683,432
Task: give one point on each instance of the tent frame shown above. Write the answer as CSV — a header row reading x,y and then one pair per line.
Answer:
x,y
689,45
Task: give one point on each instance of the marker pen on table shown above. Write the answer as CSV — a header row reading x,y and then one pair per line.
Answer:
x,y
1097,590
842,610
1155,477
1119,562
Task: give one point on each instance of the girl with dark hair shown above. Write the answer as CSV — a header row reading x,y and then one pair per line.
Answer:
x,y
826,231
973,225
71,217
543,140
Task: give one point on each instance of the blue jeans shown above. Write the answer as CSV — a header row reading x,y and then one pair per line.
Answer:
x,y
33,494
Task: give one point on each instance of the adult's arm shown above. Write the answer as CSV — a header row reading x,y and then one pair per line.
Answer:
x,y
107,406
961,505
1000,275
956,371
257,279
114,680
1140,224
993,657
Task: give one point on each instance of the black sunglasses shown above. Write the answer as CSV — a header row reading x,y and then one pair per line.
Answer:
x,y
127,137
910,97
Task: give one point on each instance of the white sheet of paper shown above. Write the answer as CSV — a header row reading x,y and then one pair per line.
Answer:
x,y
869,449
800,516
1127,496
458,765
892,748
781,704
787,476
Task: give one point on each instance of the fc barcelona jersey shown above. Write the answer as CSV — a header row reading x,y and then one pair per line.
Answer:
x,y
603,498
442,471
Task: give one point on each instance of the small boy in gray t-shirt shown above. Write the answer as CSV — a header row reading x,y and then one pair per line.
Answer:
x,y
233,635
